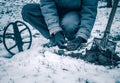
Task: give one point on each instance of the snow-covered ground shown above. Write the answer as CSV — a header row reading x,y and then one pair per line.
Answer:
x,y
41,65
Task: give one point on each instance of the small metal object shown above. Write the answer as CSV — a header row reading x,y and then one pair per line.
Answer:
x,y
61,52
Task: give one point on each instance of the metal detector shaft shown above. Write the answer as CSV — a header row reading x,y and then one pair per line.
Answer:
x,y
111,17
105,41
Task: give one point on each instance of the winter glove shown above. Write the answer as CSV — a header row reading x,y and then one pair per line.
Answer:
x,y
74,44
60,40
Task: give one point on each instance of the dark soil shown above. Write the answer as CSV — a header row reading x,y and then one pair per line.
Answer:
x,y
98,57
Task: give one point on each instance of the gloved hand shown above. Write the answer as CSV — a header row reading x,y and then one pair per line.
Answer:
x,y
60,40
74,44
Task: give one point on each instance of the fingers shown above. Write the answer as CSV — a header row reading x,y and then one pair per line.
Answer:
x,y
61,45
72,46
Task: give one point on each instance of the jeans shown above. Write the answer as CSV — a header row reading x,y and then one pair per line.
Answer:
x,y
69,20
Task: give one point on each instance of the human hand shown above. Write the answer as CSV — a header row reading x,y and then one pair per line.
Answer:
x,y
74,44
60,40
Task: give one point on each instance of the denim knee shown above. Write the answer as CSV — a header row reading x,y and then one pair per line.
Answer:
x,y
25,11
70,24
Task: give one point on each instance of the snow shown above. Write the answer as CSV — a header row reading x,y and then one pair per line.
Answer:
x,y
34,67
42,65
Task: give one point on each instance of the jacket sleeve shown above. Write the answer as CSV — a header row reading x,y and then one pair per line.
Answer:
x,y
49,11
88,16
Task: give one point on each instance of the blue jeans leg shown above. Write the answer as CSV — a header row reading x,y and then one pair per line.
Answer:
x,y
70,24
31,13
